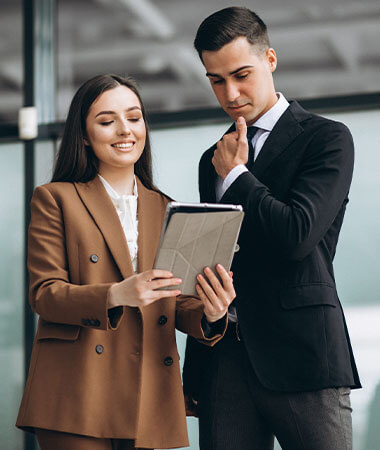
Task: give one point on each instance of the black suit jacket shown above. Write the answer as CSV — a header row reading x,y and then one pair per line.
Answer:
x,y
294,200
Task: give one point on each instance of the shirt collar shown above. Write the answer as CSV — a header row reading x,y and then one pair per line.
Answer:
x,y
268,120
115,195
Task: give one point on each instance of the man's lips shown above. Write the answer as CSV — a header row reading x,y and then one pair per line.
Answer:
x,y
237,107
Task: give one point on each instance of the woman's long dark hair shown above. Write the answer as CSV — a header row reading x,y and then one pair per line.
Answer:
x,y
76,161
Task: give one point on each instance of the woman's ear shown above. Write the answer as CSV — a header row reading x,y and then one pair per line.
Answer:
x,y
86,142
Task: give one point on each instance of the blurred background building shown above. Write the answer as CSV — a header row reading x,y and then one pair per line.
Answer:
x,y
329,59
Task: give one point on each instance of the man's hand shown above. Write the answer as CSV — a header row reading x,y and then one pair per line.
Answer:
x,y
191,406
216,296
231,150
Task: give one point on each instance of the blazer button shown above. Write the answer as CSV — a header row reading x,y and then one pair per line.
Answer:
x,y
94,258
237,248
162,320
168,361
99,349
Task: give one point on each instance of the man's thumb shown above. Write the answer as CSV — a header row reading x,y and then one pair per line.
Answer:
x,y
241,129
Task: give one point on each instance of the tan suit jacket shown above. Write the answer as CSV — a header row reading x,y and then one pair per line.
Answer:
x,y
99,372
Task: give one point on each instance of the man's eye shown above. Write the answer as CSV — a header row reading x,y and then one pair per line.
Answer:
x,y
242,76
217,81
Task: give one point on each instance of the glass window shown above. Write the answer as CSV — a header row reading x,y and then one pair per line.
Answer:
x,y
11,72
357,269
324,48
11,293
176,153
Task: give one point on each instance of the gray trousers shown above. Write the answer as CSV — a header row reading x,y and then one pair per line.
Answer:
x,y
237,413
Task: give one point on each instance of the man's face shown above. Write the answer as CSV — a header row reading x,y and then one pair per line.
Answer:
x,y
241,78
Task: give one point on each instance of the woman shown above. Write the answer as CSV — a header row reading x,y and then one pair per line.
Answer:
x,y
104,371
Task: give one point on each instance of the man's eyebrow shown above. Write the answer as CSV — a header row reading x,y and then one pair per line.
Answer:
x,y
113,112
209,74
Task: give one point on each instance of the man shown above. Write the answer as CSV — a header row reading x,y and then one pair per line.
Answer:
x,y
285,367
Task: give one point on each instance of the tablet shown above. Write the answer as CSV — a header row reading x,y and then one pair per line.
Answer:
x,y
196,235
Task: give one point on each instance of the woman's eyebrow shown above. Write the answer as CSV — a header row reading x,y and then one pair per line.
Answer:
x,y
113,112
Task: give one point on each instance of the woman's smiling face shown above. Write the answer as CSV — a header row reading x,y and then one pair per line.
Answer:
x,y
115,129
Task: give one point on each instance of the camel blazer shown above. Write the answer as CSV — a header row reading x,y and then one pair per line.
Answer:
x,y
98,372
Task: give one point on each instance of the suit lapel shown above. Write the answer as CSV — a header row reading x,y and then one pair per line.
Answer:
x,y
283,134
150,212
103,212
209,177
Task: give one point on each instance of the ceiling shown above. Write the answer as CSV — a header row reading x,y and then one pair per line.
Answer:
x,y
325,48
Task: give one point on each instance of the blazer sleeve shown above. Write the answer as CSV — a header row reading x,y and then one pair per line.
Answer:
x,y
191,320
52,295
318,191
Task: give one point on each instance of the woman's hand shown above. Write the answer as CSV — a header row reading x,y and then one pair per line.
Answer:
x,y
216,296
142,289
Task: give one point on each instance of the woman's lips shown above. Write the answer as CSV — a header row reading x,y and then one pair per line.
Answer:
x,y
123,145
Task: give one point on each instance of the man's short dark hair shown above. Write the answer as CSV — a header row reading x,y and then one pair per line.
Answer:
x,y
225,25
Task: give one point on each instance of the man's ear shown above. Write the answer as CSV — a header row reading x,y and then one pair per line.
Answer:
x,y
272,59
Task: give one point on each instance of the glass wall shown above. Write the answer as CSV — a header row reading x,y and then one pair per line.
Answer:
x,y
11,292
325,48
176,153
11,70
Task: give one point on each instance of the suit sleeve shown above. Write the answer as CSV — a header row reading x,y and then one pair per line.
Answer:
x,y
318,191
52,295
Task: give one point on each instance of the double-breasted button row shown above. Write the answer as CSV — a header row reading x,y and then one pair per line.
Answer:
x,y
168,361
94,258
91,322
99,349
162,320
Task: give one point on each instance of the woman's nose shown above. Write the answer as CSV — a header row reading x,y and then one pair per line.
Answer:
x,y
124,128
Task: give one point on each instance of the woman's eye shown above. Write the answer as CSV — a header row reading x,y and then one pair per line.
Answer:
x,y
134,119
106,123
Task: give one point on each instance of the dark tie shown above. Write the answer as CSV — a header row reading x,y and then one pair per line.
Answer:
x,y
251,131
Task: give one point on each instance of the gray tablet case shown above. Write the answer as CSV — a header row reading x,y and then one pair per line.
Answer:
x,y
193,240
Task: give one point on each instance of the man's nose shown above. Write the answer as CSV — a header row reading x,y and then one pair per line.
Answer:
x,y
232,92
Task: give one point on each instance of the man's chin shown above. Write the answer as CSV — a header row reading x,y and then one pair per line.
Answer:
x,y
244,112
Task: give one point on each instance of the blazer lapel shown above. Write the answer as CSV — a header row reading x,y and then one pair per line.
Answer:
x,y
150,212
103,212
283,134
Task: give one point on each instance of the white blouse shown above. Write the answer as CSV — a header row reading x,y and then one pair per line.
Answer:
x,y
126,207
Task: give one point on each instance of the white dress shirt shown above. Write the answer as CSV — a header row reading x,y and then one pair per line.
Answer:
x,y
126,207
265,125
